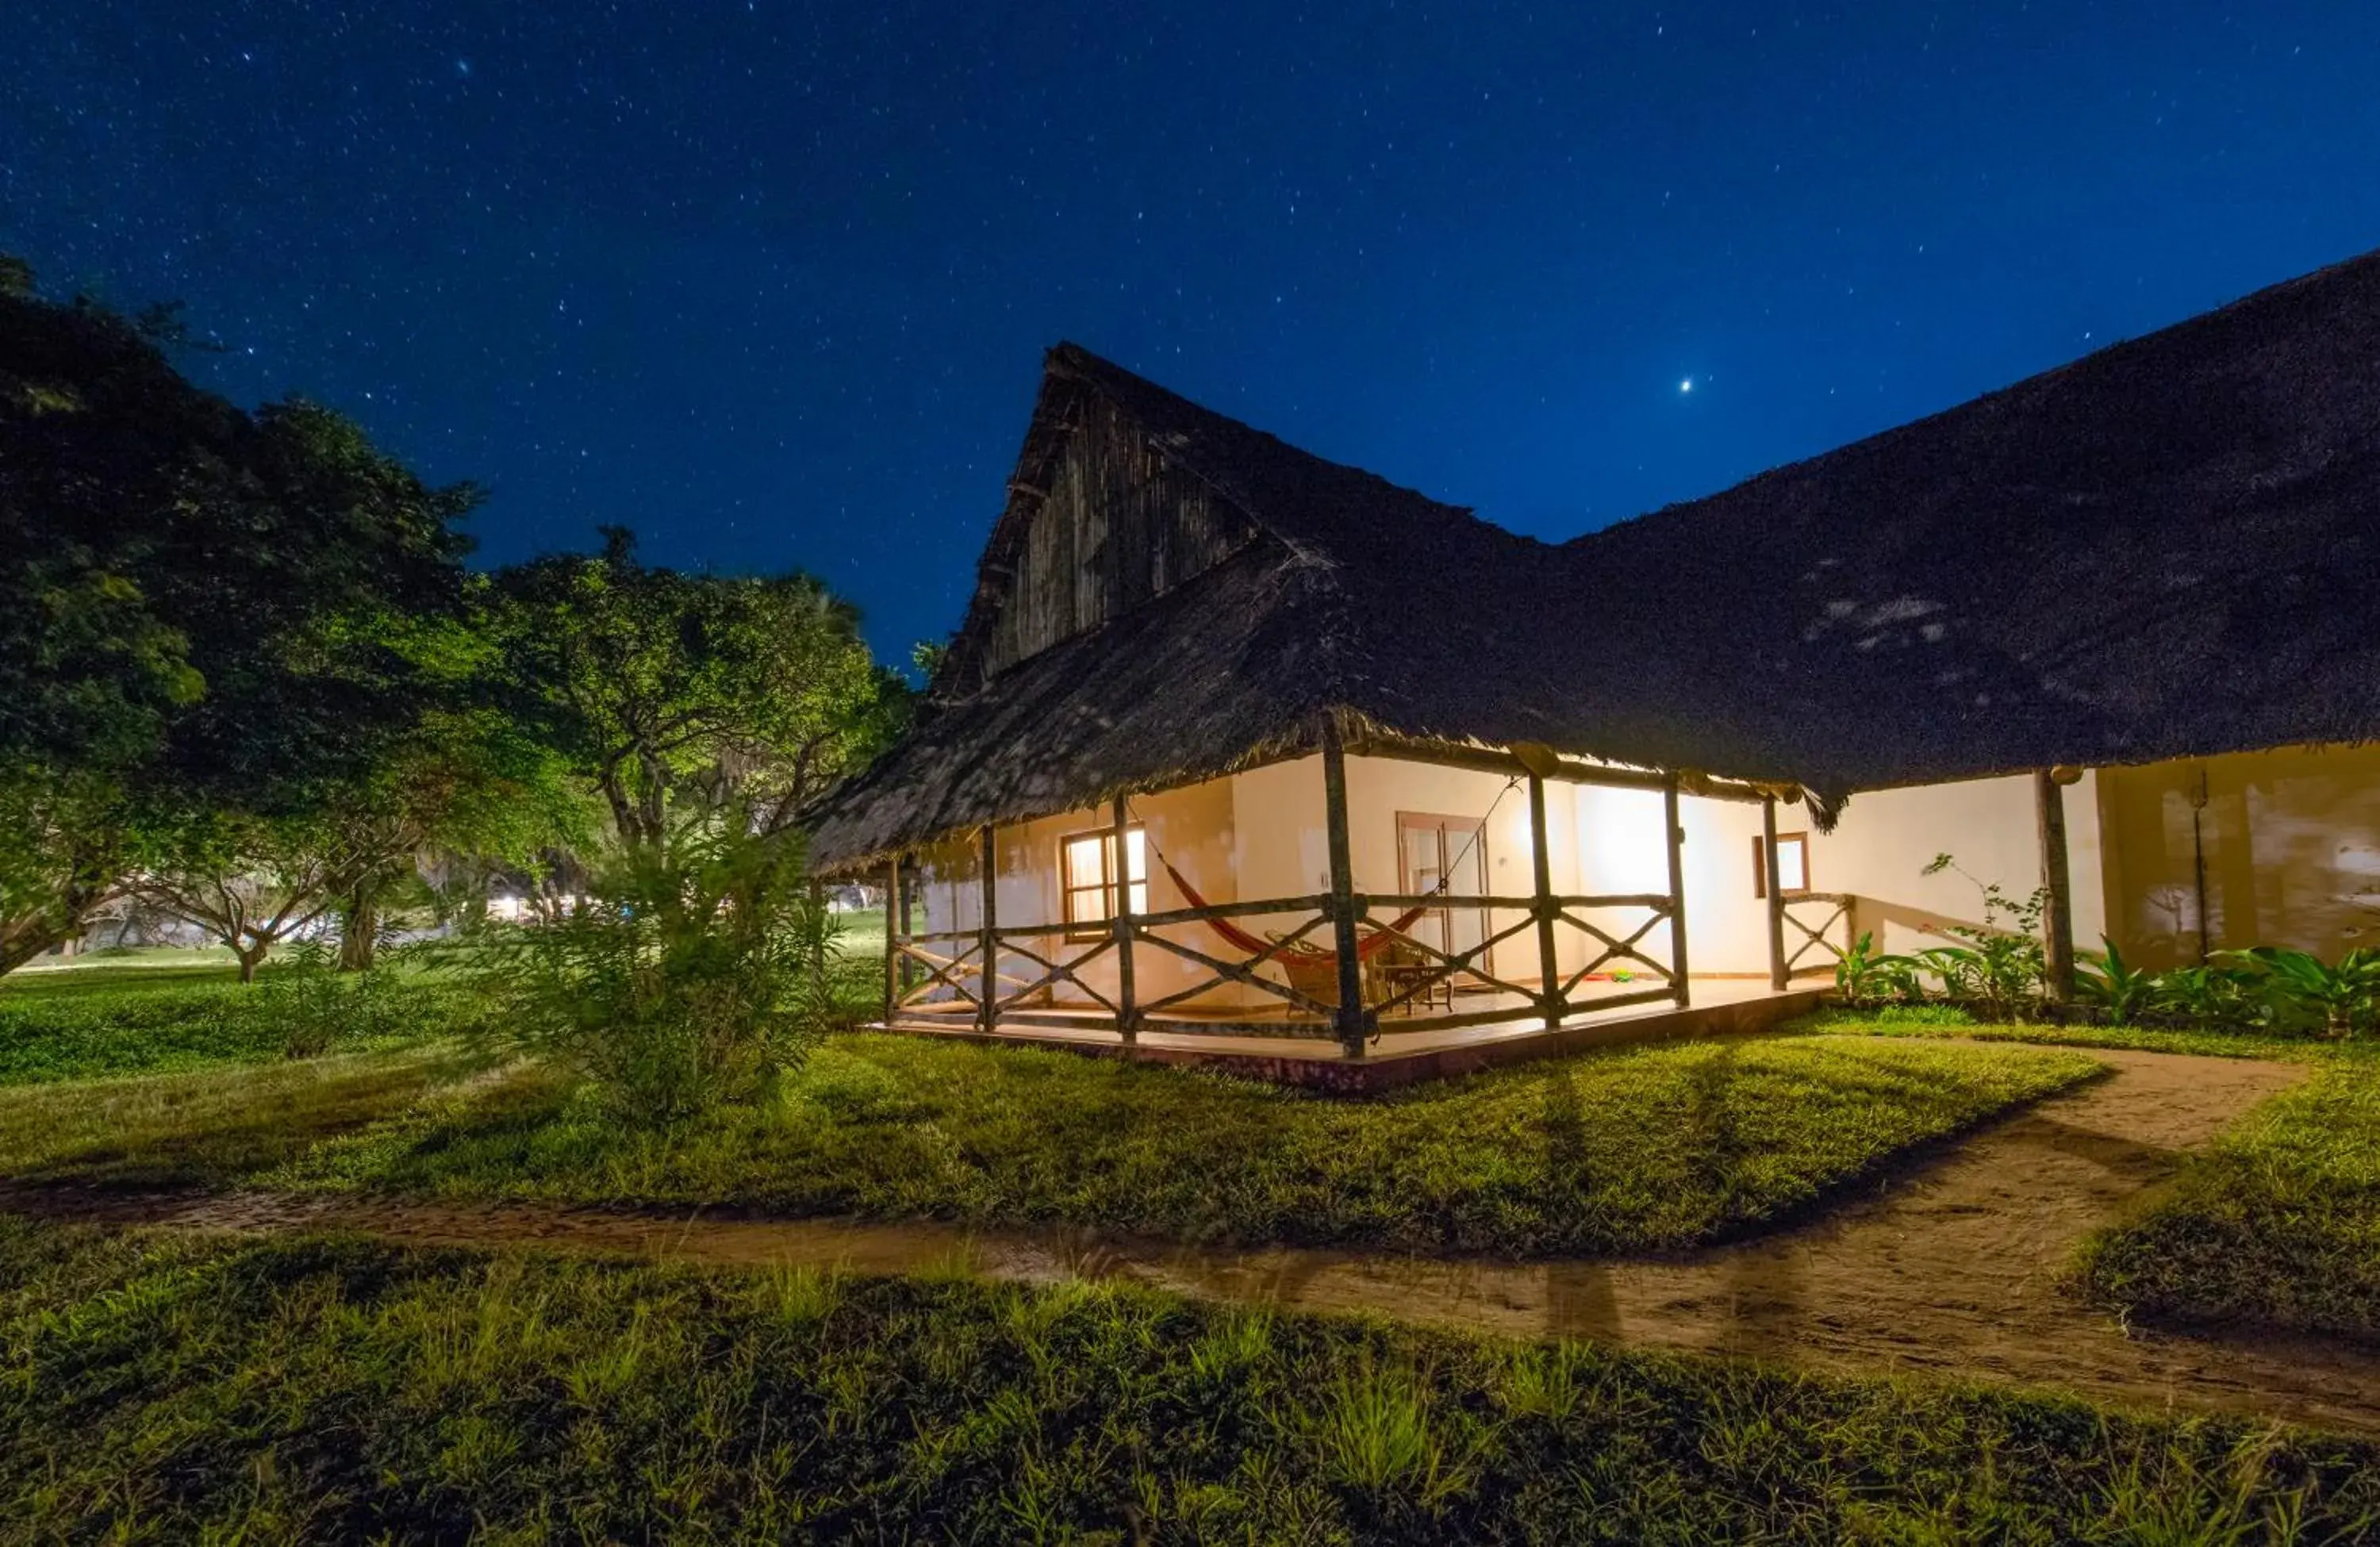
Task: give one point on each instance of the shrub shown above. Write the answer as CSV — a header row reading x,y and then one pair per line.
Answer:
x,y
692,972
316,1005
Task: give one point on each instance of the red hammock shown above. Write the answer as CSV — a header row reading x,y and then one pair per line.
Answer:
x,y
1304,954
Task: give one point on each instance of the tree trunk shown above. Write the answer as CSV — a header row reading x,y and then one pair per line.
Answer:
x,y
249,956
17,947
359,930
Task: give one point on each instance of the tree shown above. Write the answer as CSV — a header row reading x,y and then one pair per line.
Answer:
x,y
673,691
248,882
200,608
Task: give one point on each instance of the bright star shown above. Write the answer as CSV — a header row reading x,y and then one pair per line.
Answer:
x,y
1686,385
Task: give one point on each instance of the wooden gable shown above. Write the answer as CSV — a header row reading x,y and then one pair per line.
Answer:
x,y
1117,524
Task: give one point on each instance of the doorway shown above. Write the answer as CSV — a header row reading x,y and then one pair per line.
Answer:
x,y
1431,848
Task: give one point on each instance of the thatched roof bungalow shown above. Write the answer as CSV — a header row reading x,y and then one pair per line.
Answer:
x,y
2168,550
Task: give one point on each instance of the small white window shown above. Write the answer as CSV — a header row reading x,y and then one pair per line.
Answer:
x,y
1792,865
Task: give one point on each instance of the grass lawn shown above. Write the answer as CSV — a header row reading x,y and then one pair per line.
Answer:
x,y
111,1016
1636,1149
172,1389
2278,1223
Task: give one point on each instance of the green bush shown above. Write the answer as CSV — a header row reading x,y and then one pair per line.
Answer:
x,y
692,974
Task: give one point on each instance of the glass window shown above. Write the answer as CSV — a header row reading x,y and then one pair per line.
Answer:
x,y
1792,865
1087,870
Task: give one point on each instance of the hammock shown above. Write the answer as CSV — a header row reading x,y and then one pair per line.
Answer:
x,y
1302,954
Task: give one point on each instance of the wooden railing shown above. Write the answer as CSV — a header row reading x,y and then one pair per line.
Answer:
x,y
941,981
1829,909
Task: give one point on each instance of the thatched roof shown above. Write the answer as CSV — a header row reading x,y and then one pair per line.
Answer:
x,y
2170,548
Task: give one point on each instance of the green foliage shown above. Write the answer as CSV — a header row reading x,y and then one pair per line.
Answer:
x,y
2122,993
1866,976
2342,1000
321,1008
2277,1223
673,692
692,974
1639,1148
2002,968
156,1388
200,607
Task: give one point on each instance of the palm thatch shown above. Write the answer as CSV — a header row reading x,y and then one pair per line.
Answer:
x,y
2170,548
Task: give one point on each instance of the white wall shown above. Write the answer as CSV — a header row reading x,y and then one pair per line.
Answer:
x,y
1260,834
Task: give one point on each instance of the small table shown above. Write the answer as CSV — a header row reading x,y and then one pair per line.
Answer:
x,y
1400,976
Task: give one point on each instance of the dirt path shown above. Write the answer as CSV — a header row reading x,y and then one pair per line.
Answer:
x,y
1951,1267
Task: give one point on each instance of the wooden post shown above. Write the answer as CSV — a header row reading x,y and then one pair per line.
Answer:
x,y
1776,976
1542,875
2057,915
987,1012
817,940
1127,1008
1353,1020
896,928
1675,837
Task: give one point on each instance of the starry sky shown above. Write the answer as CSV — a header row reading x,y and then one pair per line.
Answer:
x,y
769,282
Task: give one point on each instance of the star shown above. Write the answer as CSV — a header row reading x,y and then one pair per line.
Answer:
x,y
1687,385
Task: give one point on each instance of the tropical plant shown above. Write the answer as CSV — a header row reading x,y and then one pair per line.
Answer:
x,y
692,972
2342,1000
2121,991
2001,966
1865,975
2213,992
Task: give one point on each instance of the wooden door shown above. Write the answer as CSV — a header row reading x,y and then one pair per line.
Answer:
x,y
1432,848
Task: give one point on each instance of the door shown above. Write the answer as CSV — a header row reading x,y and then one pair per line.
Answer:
x,y
1452,849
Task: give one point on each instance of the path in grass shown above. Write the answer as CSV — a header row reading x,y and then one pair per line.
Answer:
x,y
1952,1267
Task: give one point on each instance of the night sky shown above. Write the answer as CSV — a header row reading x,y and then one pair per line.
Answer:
x,y
770,282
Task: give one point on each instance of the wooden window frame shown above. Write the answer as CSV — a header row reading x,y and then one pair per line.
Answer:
x,y
1760,864
1079,927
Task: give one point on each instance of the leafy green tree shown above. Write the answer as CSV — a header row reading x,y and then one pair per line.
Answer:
x,y
679,693
200,608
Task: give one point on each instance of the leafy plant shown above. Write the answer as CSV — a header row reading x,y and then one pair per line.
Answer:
x,y
1865,975
691,974
2213,993
2344,1001
319,1007
2001,966
2123,992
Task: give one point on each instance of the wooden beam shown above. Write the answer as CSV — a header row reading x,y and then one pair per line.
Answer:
x,y
1773,887
1545,905
1675,837
987,1007
1490,760
1127,1005
2058,914
1351,1020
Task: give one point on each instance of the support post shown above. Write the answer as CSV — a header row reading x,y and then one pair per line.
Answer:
x,y
987,1010
1127,1005
1674,837
1541,874
1355,1021
817,940
2058,914
896,930
1776,892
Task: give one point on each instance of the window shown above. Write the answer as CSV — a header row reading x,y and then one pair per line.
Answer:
x,y
1087,872
1792,865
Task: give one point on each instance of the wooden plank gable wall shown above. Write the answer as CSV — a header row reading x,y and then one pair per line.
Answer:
x,y
1118,526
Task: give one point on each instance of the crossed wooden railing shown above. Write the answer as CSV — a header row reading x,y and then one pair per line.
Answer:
x,y
943,974
1831,908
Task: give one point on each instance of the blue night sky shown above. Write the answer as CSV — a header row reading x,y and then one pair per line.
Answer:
x,y
770,282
